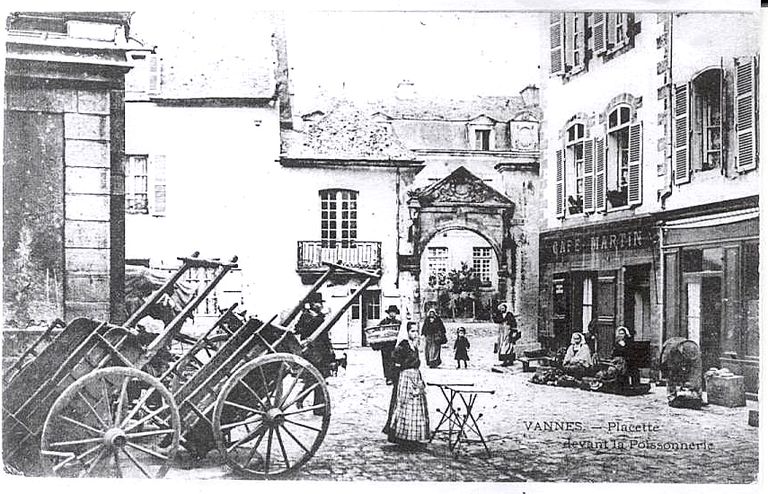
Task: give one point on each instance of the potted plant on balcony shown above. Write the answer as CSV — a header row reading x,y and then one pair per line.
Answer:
x,y
617,198
575,205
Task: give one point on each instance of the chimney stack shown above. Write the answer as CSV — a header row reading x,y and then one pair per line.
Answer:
x,y
530,95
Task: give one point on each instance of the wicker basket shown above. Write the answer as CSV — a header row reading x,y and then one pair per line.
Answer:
x,y
381,334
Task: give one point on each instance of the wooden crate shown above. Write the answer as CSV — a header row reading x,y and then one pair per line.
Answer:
x,y
727,391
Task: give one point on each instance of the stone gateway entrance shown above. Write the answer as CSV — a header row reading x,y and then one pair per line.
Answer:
x,y
461,202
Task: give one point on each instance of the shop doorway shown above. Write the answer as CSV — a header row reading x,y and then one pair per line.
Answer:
x,y
637,300
702,299
367,313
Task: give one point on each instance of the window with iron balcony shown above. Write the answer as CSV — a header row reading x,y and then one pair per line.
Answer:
x,y
338,242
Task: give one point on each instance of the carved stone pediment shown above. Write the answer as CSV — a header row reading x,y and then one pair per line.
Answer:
x,y
462,187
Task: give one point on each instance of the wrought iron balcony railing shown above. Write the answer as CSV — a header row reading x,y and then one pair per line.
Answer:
x,y
358,254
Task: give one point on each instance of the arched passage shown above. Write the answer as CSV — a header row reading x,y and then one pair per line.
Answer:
x,y
459,274
461,202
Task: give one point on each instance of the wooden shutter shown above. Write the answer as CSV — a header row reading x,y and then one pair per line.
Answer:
x,y
745,115
682,135
600,174
581,29
598,32
589,176
568,46
153,86
557,64
635,179
560,183
159,190
723,147
610,28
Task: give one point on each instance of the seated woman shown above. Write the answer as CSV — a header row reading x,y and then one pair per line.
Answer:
x,y
578,358
613,373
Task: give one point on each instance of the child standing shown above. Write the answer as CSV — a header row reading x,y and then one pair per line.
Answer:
x,y
461,346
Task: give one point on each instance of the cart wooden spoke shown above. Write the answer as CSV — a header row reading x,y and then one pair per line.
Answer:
x,y
87,437
266,392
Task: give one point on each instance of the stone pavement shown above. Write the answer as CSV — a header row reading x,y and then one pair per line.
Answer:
x,y
518,421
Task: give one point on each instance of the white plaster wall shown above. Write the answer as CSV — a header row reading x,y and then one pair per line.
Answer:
x,y
632,72
736,35
228,194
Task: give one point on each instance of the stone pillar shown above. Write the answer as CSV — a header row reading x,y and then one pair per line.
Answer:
x,y
77,82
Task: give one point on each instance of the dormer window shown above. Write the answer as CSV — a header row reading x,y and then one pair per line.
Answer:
x,y
483,139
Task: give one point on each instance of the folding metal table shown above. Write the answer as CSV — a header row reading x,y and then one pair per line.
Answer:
x,y
454,421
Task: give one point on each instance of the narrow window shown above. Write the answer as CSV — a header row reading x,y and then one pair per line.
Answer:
x,y
617,179
575,168
136,185
707,122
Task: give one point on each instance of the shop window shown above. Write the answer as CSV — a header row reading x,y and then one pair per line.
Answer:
x,y
702,260
338,218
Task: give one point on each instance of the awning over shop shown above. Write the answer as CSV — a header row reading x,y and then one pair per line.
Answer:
x,y
731,226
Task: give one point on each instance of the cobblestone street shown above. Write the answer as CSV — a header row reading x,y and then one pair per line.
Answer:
x,y
355,448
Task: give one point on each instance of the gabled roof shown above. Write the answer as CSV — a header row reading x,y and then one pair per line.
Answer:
x,y
461,187
344,132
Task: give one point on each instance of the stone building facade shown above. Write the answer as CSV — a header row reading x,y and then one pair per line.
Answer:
x,y
464,177
63,228
650,179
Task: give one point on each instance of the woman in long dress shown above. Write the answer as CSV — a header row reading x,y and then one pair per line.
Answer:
x,y
434,336
408,419
508,335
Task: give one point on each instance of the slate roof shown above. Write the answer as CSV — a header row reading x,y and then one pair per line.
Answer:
x,y
344,132
203,60
390,129
499,108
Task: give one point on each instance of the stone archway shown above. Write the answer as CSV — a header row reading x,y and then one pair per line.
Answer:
x,y
462,201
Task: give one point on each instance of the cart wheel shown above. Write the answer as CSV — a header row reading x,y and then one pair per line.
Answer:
x,y
260,426
113,422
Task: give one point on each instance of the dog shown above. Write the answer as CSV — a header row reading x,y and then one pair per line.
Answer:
x,y
338,362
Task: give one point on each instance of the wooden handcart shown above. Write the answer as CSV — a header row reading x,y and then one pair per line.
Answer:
x,y
95,401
